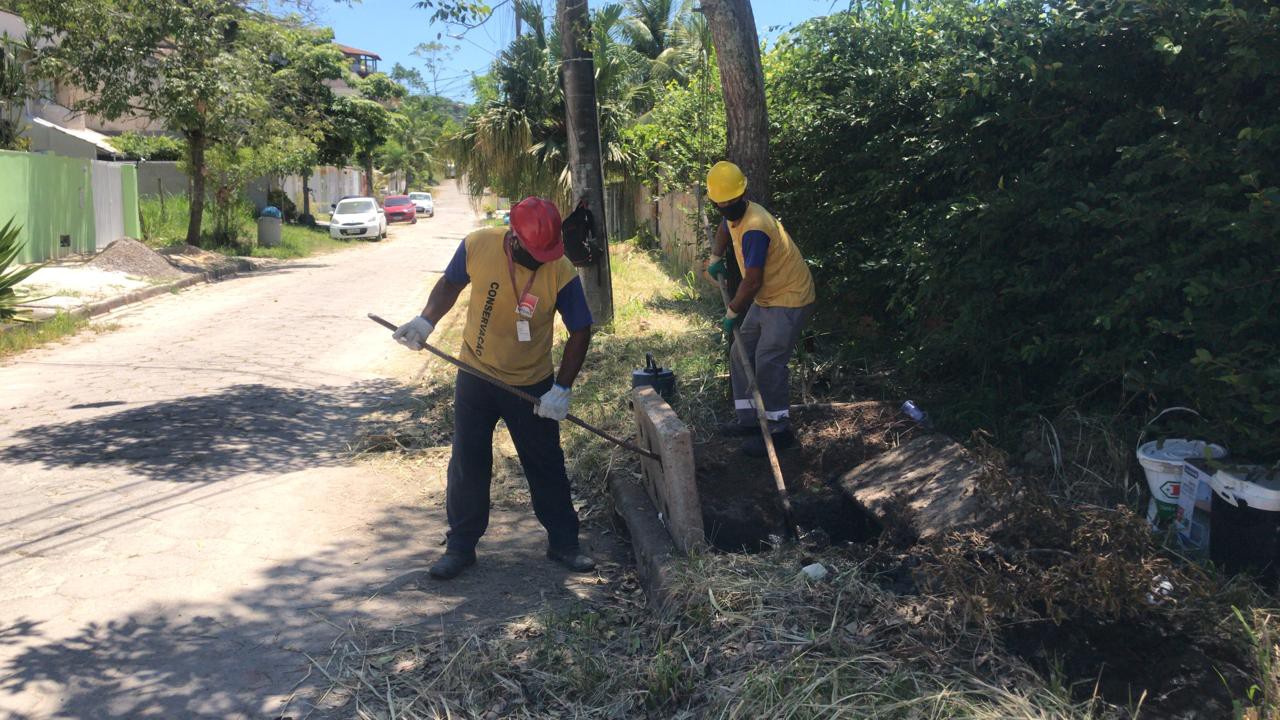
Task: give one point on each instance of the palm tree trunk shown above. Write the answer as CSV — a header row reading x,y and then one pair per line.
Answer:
x,y
408,178
368,173
583,124
733,30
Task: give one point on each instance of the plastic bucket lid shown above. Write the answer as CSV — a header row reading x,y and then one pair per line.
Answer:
x,y
1253,485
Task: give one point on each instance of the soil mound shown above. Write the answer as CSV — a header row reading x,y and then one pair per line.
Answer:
x,y
131,257
740,505
192,259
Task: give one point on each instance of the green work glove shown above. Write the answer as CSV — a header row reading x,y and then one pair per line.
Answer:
x,y
716,269
730,322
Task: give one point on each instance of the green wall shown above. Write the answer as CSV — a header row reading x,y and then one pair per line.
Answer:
x,y
51,196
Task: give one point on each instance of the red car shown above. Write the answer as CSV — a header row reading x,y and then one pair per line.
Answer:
x,y
400,207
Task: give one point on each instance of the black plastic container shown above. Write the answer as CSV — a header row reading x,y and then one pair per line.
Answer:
x,y
661,379
1245,532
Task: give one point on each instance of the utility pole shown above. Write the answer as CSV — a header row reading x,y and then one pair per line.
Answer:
x,y
583,124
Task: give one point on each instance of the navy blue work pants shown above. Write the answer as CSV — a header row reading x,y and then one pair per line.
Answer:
x,y
477,406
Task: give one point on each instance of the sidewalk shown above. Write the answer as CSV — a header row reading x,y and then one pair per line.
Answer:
x,y
123,273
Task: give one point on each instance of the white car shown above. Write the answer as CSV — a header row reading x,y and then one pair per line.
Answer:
x,y
358,217
423,202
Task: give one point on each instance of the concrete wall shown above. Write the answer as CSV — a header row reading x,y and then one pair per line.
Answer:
x,y
328,185
161,176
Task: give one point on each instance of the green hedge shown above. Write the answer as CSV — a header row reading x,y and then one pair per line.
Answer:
x,y
1048,204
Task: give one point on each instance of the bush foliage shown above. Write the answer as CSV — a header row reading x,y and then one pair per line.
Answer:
x,y
137,146
1048,204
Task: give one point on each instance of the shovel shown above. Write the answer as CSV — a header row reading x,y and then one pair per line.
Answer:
x,y
772,452
522,394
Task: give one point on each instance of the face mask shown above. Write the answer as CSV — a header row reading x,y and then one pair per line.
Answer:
x,y
734,212
522,256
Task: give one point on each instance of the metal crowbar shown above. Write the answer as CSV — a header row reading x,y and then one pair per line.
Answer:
x,y
522,394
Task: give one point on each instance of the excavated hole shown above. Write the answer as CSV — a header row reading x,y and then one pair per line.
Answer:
x,y
741,509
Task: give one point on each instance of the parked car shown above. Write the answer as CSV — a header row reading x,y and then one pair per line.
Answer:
x,y
358,217
400,207
423,202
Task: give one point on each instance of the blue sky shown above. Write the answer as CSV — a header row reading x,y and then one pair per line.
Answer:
x,y
392,28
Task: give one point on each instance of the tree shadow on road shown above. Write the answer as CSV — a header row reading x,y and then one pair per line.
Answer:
x,y
206,438
246,652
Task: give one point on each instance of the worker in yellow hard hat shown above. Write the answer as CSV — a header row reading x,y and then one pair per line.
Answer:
x,y
773,302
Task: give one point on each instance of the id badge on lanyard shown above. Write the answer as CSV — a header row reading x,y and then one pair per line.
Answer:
x,y
526,302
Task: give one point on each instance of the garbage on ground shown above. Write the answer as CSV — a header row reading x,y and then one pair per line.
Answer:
x,y
1161,590
814,572
911,410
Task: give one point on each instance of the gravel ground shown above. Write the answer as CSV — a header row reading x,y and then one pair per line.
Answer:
x,y
133,258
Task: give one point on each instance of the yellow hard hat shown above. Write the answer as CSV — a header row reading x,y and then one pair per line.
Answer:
x,y
725,182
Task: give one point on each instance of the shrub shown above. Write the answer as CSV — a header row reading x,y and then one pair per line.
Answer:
x,y
10,296
137,146
1052,203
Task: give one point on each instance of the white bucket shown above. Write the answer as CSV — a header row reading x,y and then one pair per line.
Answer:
x,y
1161,460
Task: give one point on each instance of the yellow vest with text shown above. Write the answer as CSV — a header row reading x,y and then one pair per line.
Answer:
x,y
489,342
787,280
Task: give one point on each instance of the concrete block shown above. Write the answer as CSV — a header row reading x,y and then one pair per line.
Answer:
x,y
931,477
655,553
672,485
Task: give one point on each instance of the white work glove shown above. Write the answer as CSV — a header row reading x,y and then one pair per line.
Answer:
x,y
414,333
554,403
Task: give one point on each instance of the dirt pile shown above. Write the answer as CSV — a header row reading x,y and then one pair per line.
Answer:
x,y
740,505
191,259
131,257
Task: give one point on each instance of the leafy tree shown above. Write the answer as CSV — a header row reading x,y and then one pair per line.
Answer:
x,y
185,65
16,89
435,56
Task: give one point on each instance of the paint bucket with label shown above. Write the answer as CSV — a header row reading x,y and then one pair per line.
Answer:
x,y
1161,461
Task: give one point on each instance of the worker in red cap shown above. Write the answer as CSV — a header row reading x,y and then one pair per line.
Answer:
x,y
519,280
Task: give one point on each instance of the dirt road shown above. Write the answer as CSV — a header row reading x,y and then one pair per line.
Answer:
x,y
181,524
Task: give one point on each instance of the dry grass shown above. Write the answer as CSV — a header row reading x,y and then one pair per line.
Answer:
x,y
746,638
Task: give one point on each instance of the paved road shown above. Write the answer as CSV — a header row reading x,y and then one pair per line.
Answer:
x,y
179,517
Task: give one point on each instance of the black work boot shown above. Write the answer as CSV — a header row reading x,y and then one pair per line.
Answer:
x,y
754,446
451,564
733,428
572,559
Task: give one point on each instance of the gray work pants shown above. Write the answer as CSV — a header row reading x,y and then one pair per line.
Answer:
x,y
769,336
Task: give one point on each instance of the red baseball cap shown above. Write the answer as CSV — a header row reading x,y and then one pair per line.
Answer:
x,y
536,221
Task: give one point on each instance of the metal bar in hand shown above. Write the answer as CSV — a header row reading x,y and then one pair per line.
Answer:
x,y
763,419
522,394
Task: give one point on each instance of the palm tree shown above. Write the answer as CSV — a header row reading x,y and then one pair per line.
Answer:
x,y
648,25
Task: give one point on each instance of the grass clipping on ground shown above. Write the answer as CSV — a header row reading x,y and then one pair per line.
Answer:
x,y
745,636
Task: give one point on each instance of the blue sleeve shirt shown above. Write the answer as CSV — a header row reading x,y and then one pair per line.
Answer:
x,y
571,303
755,248
456,272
